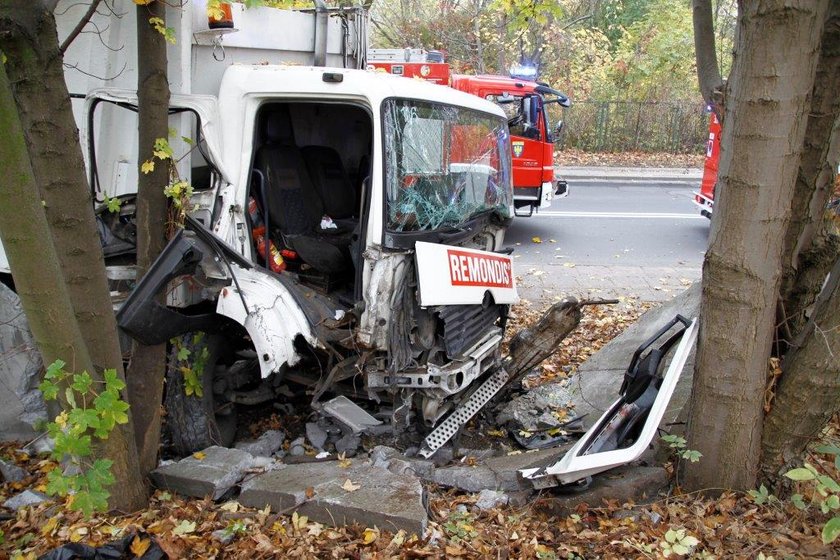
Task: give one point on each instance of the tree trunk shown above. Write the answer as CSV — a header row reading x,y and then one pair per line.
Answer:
x,y
146,369
808,393
767,99
35,70
809,250
43,292
708,73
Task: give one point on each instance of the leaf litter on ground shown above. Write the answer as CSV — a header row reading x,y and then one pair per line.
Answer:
x,y
731,525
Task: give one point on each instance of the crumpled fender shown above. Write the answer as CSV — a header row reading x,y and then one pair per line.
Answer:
x,y
273,318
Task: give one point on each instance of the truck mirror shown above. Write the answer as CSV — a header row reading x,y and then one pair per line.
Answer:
x,y
557,129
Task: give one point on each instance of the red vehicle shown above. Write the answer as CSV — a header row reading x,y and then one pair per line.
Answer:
x,y
705,199
527,104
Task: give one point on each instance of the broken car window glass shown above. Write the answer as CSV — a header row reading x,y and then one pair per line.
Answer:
x,y
444,165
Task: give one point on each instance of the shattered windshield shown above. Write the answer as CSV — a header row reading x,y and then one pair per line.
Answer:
x,y
443,165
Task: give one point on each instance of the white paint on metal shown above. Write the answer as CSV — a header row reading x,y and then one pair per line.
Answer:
x,y
575,466
450,275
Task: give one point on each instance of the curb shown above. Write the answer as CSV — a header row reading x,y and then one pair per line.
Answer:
x,y
631,174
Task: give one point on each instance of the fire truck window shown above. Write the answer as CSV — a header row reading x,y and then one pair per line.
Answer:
x,y
443,165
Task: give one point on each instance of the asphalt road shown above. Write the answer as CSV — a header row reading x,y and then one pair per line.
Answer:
x,y
612,238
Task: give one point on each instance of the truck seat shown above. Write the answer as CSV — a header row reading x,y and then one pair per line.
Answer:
x,y
294,206
331,181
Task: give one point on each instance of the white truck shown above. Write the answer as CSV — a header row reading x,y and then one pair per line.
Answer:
x,y
388,199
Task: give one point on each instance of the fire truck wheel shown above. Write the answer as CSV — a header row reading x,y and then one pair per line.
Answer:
x,y
195,422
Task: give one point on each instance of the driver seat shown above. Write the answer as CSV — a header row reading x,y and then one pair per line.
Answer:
x,y
294,205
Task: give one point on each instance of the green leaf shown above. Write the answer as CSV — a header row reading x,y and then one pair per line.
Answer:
x,y
173,132
60,485
829,483
49,390
90,502
82,382
797,501
184,528
162,149
55,371
112,380
183,353
832,502
84,418
800,474
831,530
831,449
187,140
72,445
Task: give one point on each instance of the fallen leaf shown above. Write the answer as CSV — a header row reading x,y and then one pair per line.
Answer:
x,y
310,491
139,546
370,535
536,239
343,461
184,528
231,506
200,455
49,526
349,486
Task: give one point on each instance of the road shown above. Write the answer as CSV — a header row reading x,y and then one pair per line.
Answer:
x,y
612,238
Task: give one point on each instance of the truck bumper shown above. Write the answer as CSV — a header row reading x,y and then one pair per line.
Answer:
x,y
705,204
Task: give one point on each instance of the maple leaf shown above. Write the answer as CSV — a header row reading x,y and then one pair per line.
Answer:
x,y
200,455
349,486
147,166
184,528
370,535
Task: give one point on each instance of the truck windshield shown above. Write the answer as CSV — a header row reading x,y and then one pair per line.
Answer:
x,y
443,165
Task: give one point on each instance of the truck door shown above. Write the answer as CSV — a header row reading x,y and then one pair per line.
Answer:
x,y
527,136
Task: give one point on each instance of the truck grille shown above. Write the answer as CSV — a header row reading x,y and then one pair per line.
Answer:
x,y
464,325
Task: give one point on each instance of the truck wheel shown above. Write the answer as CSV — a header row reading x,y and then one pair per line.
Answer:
x,y
195,422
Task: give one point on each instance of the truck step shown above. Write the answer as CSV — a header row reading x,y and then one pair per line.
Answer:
x,y
461,415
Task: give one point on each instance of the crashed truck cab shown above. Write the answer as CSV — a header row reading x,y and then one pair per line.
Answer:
x,y
382,205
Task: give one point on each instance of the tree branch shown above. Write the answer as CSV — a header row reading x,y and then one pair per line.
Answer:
x,y
79,26
708,72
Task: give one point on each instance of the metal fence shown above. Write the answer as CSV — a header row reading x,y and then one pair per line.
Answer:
x,y
642,126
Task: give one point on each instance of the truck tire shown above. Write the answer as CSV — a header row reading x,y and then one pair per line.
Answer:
x,y
194,423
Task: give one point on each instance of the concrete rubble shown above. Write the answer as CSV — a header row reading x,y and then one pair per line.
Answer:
x,y
11,472
385,488
212,472
25,499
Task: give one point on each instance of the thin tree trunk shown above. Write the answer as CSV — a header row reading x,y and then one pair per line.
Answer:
x,y
43,292
35,70
809,251
146,369
767,98
708,73
808,394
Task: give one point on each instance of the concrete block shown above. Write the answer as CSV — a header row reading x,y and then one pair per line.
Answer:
x,y
383,499
25,499
217,472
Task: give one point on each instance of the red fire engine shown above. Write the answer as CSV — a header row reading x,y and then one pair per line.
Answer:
x,y
525,101
705,199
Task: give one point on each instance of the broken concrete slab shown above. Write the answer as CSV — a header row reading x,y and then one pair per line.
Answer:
x,y
533,410
595,385
10,472
489,499
218,470
378,497
25,499
496,473
316,435
349,414
634,483
21,403
264,446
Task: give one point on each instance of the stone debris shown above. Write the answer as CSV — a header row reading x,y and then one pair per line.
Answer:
x,y
374,497
25,499
224,536
349,414
265,446
11,472
496,473
316,435
211,472
489,499
296,447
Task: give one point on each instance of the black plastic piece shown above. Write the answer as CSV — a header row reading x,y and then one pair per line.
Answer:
x,y
143,316
642,370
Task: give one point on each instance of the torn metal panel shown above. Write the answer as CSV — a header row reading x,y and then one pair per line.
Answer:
x,y
350,414
585,459
387,270
272,318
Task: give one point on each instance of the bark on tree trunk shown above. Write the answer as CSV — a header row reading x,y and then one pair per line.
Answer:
x,y
43,292
146,369
35,70
808,394
809,251
767,98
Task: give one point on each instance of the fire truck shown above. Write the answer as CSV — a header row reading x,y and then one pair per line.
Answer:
x,y
527,104
705,199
